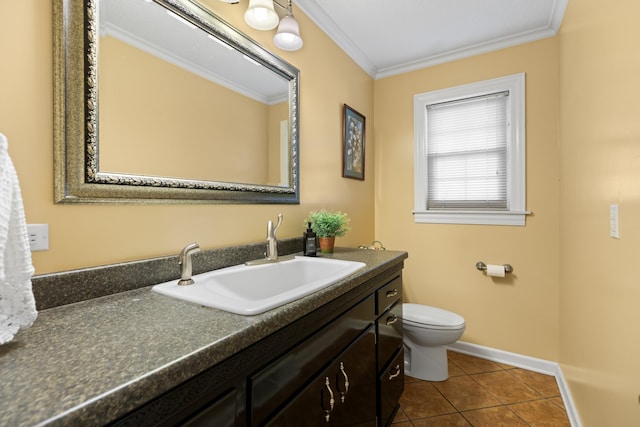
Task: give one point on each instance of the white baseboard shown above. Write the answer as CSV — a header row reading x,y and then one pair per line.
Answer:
x,y
525,362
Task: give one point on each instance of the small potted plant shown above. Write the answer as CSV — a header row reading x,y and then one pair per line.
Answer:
x,y
327,226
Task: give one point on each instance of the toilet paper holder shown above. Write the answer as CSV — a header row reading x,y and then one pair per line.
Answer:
x,y
483,267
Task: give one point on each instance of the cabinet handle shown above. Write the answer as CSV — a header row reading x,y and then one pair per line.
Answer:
x,y
391,320
343,394
392,293
327,412
396,372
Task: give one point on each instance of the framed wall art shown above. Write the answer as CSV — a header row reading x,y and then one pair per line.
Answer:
x,y
353,143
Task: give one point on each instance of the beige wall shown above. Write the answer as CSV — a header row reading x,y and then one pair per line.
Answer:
x,y
600,166
574,296
82,236
518,313
157,118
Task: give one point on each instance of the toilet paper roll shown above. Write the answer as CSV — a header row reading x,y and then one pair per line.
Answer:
x,y
495,270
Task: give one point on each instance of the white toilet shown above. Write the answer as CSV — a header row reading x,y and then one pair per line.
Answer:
x,y
427,330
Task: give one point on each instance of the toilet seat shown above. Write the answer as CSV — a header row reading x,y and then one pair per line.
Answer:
x,y
430,317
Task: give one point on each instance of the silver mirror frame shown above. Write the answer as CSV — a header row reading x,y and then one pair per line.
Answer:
x,y
77,178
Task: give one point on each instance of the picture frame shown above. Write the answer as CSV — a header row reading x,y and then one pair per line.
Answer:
x,y
353,143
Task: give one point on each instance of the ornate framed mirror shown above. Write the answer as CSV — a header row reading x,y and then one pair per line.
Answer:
x,y
164,102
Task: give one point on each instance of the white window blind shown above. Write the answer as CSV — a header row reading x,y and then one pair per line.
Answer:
x,y
467,153
470,153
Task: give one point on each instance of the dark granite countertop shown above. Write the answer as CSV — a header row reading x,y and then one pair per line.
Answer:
x,y
92,361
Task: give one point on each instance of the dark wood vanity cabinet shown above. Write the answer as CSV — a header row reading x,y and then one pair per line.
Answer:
x,y
390,357
344,394
340,365
301,380
373,364
391,386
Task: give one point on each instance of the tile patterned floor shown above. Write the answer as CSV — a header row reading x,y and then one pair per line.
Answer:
x,y
482,393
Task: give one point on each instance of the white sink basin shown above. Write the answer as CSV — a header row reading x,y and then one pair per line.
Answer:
x,y
250,290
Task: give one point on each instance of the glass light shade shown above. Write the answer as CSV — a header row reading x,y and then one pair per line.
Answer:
x,y
261,15
288,35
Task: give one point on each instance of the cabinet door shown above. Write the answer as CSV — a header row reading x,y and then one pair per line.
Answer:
x,y
391,387
344,394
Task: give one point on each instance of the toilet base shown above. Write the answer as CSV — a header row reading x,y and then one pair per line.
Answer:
x,y
426,363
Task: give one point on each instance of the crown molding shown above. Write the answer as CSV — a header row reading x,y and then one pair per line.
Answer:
x,y
331,29
326,24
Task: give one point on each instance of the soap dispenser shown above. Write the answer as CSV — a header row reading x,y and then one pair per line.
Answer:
x,y
309,238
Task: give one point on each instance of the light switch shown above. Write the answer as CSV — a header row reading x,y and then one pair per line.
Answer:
x,y
614,226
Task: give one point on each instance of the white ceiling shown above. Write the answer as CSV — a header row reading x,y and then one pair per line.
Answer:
x,y
389,37
151,28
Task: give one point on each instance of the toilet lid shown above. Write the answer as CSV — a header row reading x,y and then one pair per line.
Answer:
x,y
431,316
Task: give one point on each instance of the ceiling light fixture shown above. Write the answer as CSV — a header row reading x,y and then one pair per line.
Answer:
x,y
288,35
261,15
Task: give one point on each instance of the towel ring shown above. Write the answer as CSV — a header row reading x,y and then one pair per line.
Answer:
x,y
376,245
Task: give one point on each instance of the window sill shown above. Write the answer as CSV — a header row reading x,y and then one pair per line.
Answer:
x,y
516,218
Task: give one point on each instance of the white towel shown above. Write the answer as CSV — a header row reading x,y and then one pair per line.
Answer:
x,y
17,305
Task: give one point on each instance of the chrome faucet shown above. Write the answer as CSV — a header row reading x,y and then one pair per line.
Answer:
x,y
272,242
184,259
272,246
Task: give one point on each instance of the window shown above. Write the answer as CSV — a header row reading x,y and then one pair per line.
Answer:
x,y
470,153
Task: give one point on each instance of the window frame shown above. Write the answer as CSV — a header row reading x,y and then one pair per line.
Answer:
x,y
515,214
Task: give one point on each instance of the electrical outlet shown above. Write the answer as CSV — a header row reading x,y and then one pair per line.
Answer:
x,y
38,237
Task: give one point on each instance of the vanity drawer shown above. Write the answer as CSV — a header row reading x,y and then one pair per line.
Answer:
x,y
391,383
388,295
389,334
275,383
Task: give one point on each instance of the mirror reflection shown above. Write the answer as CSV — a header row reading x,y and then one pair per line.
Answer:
x,y
189,102
184,102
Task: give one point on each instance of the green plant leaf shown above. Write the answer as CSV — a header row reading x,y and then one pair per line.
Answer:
x,y
328,224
